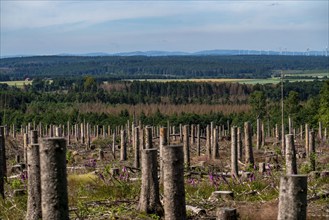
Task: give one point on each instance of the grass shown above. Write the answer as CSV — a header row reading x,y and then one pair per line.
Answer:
x,y
19,84
242,81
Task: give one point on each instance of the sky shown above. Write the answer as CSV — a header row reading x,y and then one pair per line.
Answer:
x,y
41,27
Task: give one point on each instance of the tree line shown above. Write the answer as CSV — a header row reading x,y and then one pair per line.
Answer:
x,y
133,67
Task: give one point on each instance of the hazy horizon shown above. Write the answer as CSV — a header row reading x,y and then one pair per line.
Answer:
x,y
79,27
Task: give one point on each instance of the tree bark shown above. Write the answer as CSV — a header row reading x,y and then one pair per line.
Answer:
x,y
186,144
293,197
53,179
291,166
234,156
123,149
248,144
149,201
34,183
174,192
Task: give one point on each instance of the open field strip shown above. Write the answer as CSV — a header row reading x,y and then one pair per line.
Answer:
x,y
20,83
221,80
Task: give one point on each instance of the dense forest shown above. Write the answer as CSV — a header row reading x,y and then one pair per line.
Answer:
x,y
118,67
60,100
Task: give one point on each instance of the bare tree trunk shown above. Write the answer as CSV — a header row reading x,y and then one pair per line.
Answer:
x,y
291,166
259,135
34,137
293,197
208,140
277,133
263,135
136,148
248,144
148,137
290,125
3,167
149,201
198,145
320,131
68,133
239,139
34,183
311,149
113,144
192,134
234,156
25,144
186,142
306,139
215,146
174,191
53,178
141,138
162,143
123,149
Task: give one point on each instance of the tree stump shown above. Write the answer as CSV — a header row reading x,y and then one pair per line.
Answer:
x,y
174,190
291,166
162,143
149,201
234,153
136,147
221,195
123,148
311,150
293,197
34,183
226,214
249,157
186,144
53,179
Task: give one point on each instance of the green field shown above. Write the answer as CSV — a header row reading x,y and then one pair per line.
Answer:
x,y
17,83
245,81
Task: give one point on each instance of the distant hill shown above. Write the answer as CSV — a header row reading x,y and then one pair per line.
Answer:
x,y
156,53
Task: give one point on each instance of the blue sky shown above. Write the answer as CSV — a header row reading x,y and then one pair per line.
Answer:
x,y
52,27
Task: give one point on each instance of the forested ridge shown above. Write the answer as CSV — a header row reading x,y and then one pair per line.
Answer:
x,y
60,100
112,67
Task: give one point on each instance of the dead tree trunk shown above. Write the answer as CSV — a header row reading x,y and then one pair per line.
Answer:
x,y
174,192
234,155
123,148
259,135
262,135
307,140
198,145
320,131
3,167
53,179
186,144
215,146
136,147
208,140
162,143
34,137
34,183
239,139
248,144
149,201
148,137
311,149
293,197
25,144
291,166
113,144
